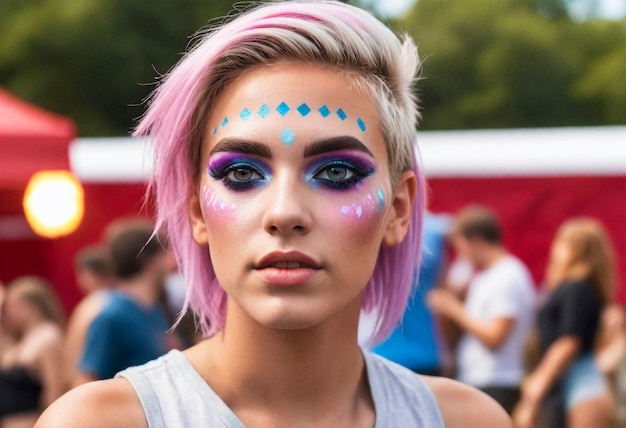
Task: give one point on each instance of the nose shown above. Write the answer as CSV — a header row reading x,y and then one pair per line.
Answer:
x,y
287,208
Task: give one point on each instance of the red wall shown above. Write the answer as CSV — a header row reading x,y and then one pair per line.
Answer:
x,y
532,208
53,258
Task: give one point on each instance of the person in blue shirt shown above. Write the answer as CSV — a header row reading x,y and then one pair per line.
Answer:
x,y
416,342
131,328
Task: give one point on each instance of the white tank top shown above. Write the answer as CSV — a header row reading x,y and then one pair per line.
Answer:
x,y
173,394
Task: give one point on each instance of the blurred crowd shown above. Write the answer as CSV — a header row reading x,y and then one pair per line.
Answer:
x,y
132,296
552,354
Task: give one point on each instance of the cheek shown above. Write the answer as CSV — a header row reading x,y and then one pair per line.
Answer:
x,y
358,209
216,208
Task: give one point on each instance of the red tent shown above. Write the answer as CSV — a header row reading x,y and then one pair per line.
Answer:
x,y
31,139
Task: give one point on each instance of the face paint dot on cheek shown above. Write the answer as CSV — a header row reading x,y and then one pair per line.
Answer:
x,y
353,210
214,208
381,198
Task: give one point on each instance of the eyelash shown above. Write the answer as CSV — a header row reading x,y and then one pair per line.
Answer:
x,y
224,173
358,173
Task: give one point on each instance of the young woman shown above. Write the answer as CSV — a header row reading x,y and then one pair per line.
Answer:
x,y
286,181
31,374
580,279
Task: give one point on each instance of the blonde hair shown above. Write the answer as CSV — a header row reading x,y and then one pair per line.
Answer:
x,y
39,293
590,244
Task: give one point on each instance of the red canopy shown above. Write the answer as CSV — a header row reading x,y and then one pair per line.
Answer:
x,y
31,139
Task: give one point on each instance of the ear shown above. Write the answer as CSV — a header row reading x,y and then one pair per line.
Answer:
x,y
401,209
198,227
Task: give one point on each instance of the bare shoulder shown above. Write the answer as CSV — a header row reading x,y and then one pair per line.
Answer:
x,y
98,404
466,407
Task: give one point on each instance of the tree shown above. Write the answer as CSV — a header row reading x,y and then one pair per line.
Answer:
x,y
95,60
499,63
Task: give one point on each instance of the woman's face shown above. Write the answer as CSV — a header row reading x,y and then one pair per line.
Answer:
x,y
294,199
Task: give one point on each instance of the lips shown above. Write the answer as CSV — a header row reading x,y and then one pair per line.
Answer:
x,y
287,260
287,269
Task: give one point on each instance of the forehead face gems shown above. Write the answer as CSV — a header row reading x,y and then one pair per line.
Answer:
x,y
287,136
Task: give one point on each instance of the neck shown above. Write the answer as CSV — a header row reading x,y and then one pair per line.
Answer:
x,y
492,255
304,373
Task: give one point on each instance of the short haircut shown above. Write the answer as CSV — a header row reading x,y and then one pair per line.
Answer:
x,y
478,221
375,61
94,258
132,250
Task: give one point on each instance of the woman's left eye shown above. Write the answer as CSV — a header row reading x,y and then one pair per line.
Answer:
x,y
335,173
340,174
243,175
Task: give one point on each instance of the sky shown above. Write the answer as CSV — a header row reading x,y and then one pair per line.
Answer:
x,y
614,9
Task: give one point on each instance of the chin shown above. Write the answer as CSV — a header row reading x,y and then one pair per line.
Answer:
x,y
290,317
289,322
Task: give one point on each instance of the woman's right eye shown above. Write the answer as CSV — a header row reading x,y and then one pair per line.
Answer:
x,y
243,175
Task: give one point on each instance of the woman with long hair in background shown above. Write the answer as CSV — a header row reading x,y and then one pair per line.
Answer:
x,y
31,368
566,388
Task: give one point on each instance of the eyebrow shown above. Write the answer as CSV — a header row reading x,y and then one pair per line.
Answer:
x,y
344,142
242,146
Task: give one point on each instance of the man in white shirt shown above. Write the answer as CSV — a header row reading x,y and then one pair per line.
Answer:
x,y
498,312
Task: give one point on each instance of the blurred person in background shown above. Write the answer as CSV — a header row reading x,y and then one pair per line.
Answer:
x,y
94,277
31,369
416,342
131,328
498,310
611,356
580,280
5,339
288,233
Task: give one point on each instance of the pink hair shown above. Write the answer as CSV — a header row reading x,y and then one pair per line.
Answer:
x,y
323,32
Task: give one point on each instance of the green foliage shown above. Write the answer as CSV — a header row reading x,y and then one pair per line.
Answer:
x,y
487,63
95,60
506,63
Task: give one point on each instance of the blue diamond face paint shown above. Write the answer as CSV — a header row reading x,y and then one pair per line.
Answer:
x,y
324,111
264,110
283,109
287,136
361,124
245,114
303,109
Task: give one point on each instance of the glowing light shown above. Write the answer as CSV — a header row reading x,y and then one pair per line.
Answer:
x,y
54,203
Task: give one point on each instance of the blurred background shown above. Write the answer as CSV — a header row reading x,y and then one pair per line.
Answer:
x,y
497,65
